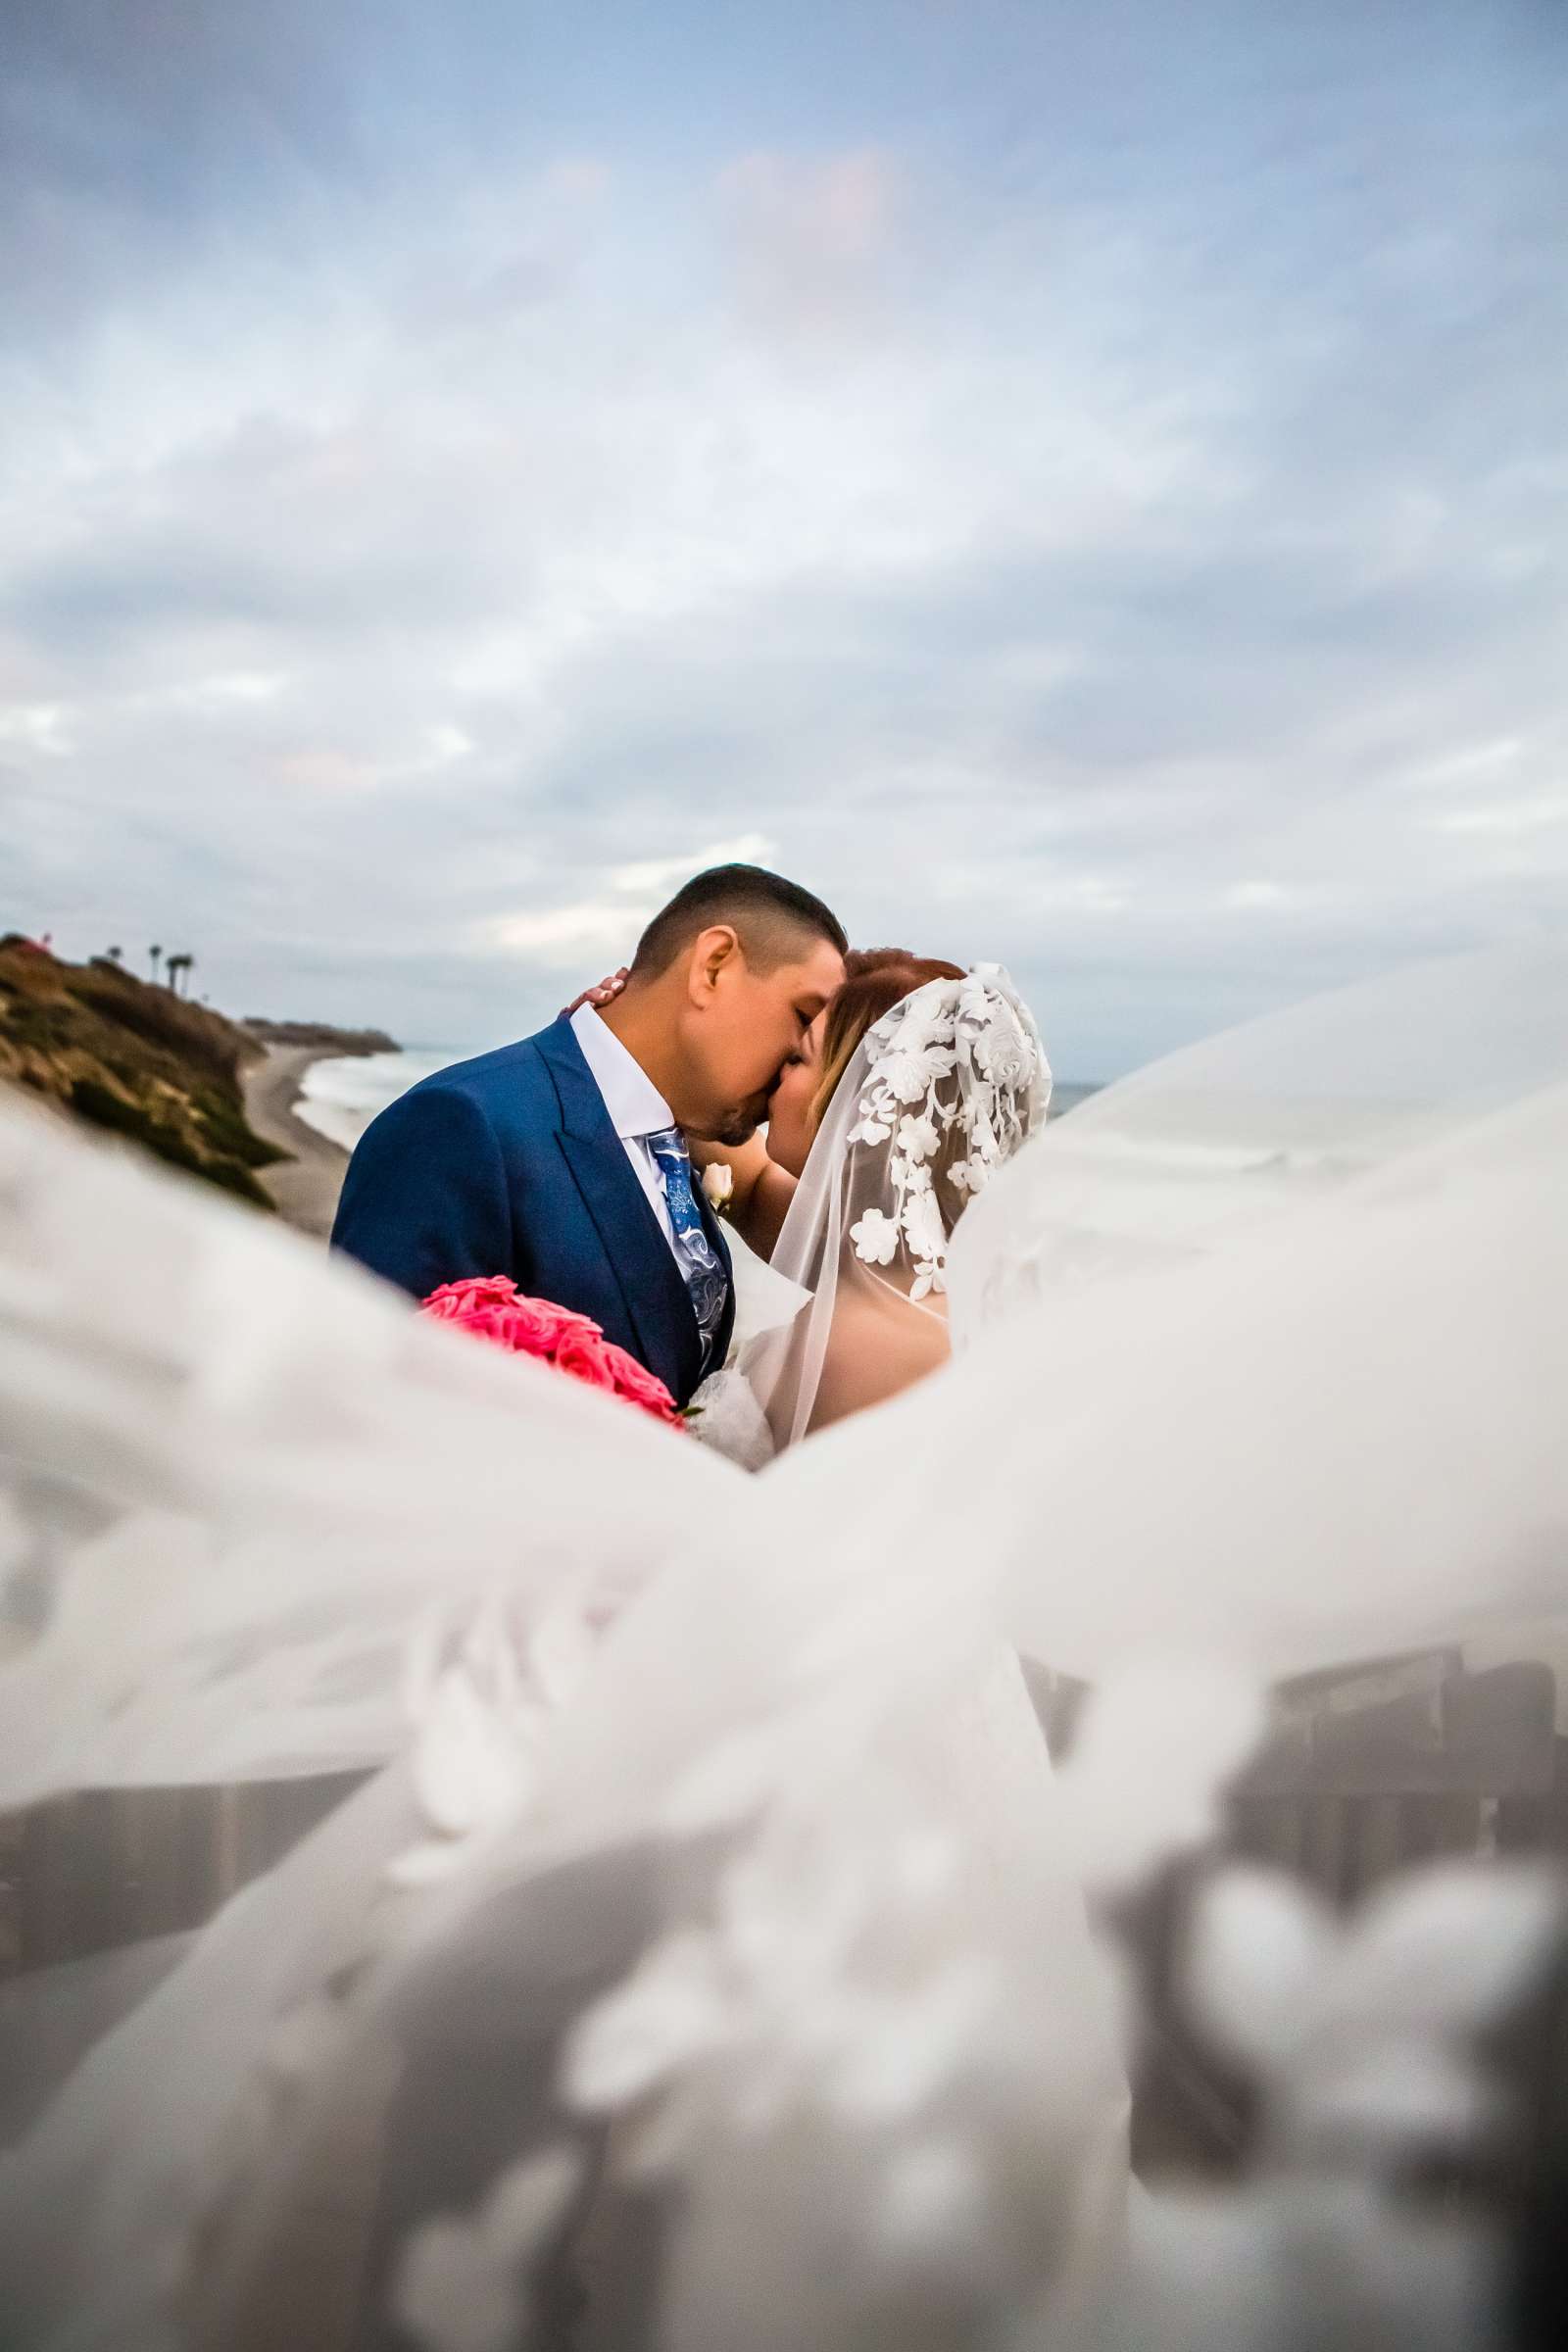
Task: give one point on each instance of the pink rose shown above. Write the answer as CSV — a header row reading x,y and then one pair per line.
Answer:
x,y
582,1354
550,1324
458,1300
534,1327
636,1383
492,1307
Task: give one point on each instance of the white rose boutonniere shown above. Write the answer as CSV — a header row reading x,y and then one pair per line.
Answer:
x,y
718,1187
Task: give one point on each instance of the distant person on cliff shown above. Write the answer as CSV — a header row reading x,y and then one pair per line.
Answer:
x,y
561,1161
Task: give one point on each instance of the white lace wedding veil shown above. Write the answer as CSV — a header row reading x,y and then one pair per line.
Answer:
x,y
938,1094
1265,1357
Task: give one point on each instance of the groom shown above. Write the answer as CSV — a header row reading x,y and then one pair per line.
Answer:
x,y
562,1162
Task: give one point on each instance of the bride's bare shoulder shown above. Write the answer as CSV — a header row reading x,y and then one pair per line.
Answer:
x,y
879,1344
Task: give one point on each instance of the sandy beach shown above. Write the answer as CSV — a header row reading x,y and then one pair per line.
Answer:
x,y
305,1187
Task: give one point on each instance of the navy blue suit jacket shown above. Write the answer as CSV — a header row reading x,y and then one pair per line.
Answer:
x,y
511,1164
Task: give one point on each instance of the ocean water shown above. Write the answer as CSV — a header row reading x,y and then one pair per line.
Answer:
x,y
1065,1097
340,1098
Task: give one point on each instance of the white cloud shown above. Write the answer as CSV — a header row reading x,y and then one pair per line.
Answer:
x,y
37,727
1474,763
327,773
448,743
242,687
558,938
810,235
1545,811
668,873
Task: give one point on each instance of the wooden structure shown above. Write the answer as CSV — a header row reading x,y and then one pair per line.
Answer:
x,y
1368,1771
1365,1772
86,1874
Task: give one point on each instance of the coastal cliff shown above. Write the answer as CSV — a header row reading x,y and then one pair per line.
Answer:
x,y
321,1037
133,1060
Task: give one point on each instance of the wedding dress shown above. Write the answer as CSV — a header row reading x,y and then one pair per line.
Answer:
x,y
658,1795
726,1413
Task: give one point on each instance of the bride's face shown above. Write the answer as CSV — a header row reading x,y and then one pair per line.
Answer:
x,y
789,1130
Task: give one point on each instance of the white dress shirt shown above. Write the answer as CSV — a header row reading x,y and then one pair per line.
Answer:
x,y
637,1109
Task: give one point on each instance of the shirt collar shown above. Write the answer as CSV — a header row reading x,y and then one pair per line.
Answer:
x,y
635,1104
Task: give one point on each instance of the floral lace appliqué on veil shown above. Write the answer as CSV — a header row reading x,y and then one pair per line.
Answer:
x,y
958,1080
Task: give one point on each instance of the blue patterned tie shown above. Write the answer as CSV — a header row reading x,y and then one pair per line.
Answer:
x,y
699,1262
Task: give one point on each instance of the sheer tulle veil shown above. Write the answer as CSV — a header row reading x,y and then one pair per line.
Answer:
x,y
939,1094
1308,1278
1262,1366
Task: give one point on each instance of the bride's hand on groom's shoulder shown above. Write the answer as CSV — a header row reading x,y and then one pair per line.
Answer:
x,y
603,992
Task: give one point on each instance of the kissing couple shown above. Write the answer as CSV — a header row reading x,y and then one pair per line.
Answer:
x,y
589,1163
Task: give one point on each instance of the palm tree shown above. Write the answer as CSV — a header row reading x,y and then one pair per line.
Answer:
x,y
114,954
156,953
179,969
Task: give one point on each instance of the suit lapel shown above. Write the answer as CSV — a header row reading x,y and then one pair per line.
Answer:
x,y
657,1303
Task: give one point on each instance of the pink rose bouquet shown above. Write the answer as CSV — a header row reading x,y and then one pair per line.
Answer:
x,y
493,1307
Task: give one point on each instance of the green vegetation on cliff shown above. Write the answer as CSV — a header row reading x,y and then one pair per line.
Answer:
x,y
338,1042
133,1058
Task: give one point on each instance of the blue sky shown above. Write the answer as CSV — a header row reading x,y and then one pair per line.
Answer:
x,y
1081,485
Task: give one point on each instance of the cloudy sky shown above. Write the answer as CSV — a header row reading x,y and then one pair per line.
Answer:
x,y
1077,481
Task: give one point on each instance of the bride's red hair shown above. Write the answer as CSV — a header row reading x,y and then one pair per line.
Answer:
x,y
876,980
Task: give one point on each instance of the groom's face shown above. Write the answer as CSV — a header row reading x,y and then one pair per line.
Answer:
x,y
750,1026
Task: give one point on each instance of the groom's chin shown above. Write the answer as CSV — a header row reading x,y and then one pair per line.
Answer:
x,y
738,1127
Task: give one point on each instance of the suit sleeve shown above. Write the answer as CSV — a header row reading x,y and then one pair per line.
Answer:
x,y
425,1199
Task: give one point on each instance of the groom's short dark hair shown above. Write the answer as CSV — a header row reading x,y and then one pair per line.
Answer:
x,y
770,915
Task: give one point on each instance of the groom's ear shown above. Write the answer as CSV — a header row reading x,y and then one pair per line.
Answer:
x,y
713,952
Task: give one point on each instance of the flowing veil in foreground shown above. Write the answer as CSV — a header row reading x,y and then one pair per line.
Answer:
x,y
706,1938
